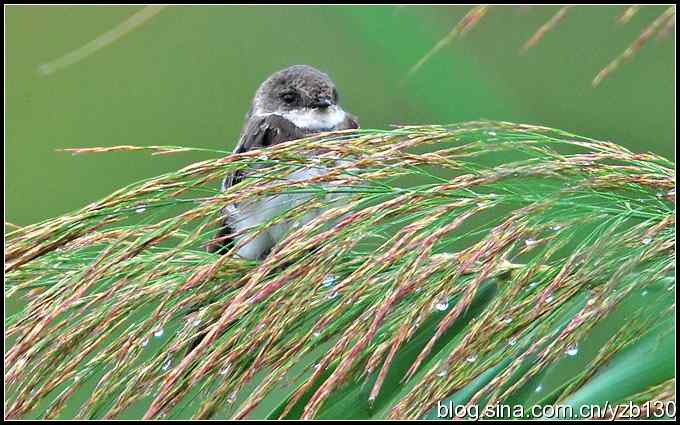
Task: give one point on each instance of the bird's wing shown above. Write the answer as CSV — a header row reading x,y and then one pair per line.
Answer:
x,y
259,132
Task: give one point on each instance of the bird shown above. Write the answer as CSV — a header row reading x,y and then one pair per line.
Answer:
x,y
290,104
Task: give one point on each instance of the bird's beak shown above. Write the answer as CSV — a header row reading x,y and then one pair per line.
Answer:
x,y
323,103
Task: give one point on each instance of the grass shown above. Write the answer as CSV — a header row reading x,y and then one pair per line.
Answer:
x,y
464,262
661,26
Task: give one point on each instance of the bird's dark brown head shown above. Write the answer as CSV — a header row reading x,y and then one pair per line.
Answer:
x,y
296,87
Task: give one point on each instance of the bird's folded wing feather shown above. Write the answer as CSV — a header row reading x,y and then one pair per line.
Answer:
x,y
259,132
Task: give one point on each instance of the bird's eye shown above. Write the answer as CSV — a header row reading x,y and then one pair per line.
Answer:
x,y
289,97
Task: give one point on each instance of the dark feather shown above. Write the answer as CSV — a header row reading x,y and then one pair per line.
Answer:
x,y
259,132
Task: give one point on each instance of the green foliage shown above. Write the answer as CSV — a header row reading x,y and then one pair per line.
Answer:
x,y
506,257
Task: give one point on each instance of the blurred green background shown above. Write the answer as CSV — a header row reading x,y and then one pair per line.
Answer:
x,y
186,77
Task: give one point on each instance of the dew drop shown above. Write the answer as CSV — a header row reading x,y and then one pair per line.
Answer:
x,y
317,366
647,240
539,388
645,292
158,333
263,158
549,299
572,350
530,242
332,295
145,342
442,373
556,228
512,342
442,304
492,133
140,209
471,359
329,280
532,285
196,322
507,320
316,334
419,290
167,364
232,398
225,369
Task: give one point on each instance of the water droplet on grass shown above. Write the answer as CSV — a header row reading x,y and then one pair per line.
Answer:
x,y
158,333
329,280
442,304
572,350
225,369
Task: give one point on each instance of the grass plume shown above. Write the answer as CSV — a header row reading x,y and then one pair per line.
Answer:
x,y
662,25
451,259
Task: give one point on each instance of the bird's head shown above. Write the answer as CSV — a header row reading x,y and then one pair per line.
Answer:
x,y
299,87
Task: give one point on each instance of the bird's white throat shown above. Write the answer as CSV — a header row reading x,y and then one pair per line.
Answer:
x,y
314,118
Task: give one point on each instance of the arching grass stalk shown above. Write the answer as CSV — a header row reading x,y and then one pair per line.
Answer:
x,y
460,260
